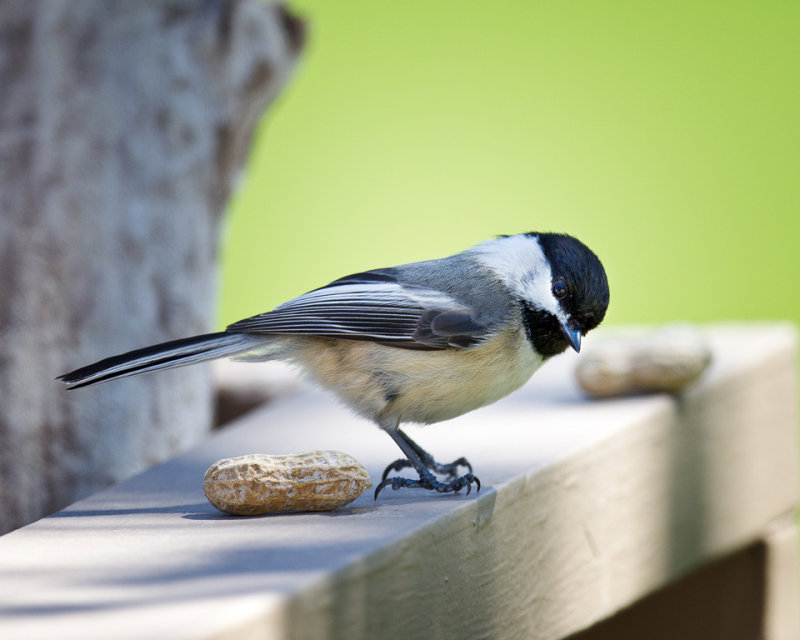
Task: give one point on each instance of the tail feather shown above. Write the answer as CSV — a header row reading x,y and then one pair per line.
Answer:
x,y
176,353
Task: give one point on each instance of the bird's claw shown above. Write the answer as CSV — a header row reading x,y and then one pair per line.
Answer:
x,y
397,465
429,481
449,470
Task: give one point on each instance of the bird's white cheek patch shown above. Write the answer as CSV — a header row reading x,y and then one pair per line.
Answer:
x,y
539,295
522,266
513,259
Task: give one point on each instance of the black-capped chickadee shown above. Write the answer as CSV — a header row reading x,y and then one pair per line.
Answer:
x,y
421,342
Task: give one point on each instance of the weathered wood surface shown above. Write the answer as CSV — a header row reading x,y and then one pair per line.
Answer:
x,y
123,126
586,508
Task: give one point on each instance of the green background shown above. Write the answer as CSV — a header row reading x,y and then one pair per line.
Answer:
x,y
664,135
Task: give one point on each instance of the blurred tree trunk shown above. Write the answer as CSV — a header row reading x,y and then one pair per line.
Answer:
x,y
123,126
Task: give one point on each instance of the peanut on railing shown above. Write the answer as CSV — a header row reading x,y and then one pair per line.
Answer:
x,y
258,483
668,359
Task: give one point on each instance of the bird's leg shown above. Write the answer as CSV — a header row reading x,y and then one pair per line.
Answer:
x,y
414,453
450,470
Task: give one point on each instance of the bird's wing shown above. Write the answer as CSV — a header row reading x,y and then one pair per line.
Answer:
x,y
373,306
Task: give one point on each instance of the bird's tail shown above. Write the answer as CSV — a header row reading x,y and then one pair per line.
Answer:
x,y
166,355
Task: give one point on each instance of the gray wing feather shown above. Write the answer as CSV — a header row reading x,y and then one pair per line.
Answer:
x,y
373,306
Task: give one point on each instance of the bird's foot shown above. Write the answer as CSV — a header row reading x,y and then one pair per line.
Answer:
x,y
424,464
449,470
428,481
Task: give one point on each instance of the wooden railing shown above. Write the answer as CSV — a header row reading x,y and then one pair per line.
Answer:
x,y
648,517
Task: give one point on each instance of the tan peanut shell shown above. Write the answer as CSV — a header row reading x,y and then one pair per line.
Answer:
x,y
260,483
669,359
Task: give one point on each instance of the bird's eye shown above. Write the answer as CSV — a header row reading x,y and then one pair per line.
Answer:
x,y
559,289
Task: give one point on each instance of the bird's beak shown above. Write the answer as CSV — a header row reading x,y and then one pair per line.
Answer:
x,y
573,336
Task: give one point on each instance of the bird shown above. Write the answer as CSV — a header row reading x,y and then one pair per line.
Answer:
x,y
416,343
